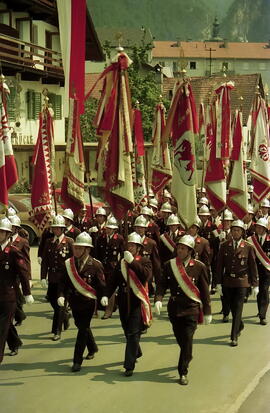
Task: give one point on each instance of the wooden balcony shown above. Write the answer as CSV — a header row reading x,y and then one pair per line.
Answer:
x,y
34,61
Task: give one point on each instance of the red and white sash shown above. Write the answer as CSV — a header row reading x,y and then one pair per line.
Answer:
x,y
81,286
186,284
168,242
140,291
260,252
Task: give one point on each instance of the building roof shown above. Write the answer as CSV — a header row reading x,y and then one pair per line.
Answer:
x,y
222,50
203,88
130,36
90,80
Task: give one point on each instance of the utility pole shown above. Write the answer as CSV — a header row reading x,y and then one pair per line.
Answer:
x,y
210,58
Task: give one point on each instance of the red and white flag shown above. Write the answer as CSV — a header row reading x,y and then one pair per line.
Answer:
x,y
260,154
237,198
44,170
161,162
113,122
182,125
72,190
139,175
8,168
72,28
215,182
223,116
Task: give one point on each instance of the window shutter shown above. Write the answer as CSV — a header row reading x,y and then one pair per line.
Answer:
x,y
56,102
11,98
37,104
33,100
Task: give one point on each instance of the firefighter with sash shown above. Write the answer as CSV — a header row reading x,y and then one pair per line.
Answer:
x,y
167,247
82,284
236,272
131,277
261,243
189,302
56,251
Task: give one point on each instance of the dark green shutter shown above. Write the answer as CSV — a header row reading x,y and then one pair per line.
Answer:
x,y
11,104
33,101
56,103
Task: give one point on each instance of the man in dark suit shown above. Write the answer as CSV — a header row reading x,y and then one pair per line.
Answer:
x,y
189,300
236,271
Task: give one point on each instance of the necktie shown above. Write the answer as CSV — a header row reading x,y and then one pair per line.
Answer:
x,y
235,245
56,242
261,241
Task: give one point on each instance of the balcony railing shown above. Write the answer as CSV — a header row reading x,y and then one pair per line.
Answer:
x,y
31,56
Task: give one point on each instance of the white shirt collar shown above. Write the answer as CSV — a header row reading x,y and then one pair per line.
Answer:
x,y
59,238
14,237
3,246
69,228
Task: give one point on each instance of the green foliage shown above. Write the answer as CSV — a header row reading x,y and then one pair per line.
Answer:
x,y
22,187
87,129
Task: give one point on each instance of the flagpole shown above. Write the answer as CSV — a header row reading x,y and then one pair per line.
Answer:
x,y
89,191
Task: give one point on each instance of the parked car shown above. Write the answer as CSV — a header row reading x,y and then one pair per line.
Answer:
x,y
96,200
22,205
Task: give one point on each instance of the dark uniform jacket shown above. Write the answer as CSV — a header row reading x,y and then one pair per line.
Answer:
x,y
73,232
92,273
250,229
152,231
46,234
12,265
207,232
142,268
180,304
202,250
109,251
149,249
237,268
165,253
53,260
23,245
262,271
83,224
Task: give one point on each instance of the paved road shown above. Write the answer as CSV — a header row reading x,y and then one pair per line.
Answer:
x,y
221,378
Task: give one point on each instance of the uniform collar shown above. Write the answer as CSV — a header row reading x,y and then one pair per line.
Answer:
x,y
3,246
59,238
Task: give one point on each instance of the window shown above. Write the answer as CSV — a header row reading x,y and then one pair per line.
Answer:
x,y
262,66
175,67
11,104
33,101
245,65
192,65
225,66
56,102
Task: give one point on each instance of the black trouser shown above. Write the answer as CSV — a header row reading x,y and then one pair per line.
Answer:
x,y
263,296
184,329
225,300
236,298
85,338
60,313
132,325
7,311
19,313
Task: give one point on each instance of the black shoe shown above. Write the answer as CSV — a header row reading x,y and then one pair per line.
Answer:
x,y
14,352
128,373
183,380
213,291
56,337
263,322
233,343
106,316
225,319
245,299
76,367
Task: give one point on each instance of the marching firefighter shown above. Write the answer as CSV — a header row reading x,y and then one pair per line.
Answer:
x,y
131,277
71,231
167,248
12,265
189,301
56,251
82,284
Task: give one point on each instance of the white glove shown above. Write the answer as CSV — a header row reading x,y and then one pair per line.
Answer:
x,y
104,301
207,319
39,260
61,301
219,290
255,291
158,307
93,229
128,257
43,283
31,283
222,236
29,299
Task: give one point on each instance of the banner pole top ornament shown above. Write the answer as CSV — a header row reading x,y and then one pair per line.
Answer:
x,y
119,37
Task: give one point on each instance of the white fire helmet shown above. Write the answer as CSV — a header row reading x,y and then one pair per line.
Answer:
x,y
153,203
202,190
250,188
15,220
204,210
203,201
187,240
265,203
197,222
238,223
5,224
112,223
147,211
166,207
141,221
166,194
11,212
83,240
263,222
227,215
58,222
250,209
151,193
68,213
101,211
135,238
173,220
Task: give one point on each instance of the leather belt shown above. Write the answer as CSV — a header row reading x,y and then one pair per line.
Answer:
x,y
237,275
